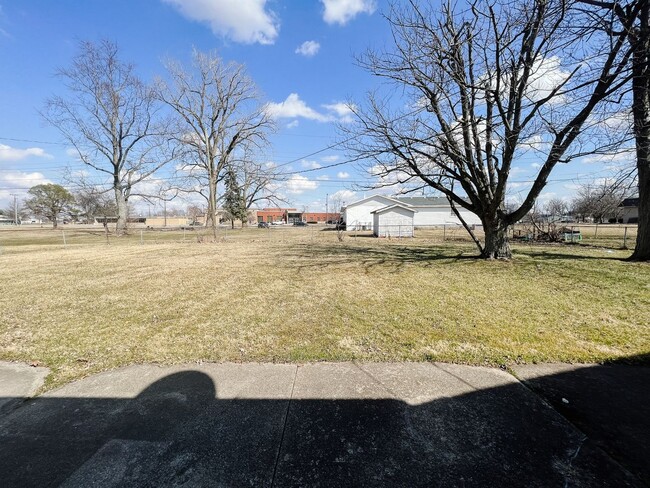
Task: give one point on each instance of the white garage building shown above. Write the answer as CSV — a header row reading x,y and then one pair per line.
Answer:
x,y
428,211
393,221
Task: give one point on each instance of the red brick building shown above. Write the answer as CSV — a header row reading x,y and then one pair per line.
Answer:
x,y
274,214
321,217
291,215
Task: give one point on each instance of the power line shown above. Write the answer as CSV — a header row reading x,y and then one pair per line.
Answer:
x,y
32,141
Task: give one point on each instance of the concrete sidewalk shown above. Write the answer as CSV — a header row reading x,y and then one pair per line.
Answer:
x,y
324,424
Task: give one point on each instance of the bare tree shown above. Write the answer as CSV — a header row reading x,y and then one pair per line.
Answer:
x,y
194,212
556,208
486,83
110,117
260,183
219,118
92,203
16,210
598,201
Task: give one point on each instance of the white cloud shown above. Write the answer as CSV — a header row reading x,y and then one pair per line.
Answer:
x,y
308,48
344,196
20,179
310,164
547,75
342,175
342,110
330,159
342,11
388,175
534,142
245,21
535,165
8,153
17,183
293,124
294,107
323,177
298,184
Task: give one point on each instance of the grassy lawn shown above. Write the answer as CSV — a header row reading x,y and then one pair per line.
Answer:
x,y
300,295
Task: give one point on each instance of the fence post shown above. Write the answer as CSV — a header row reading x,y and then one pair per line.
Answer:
x,y
596,232
625,238
444,232
64,243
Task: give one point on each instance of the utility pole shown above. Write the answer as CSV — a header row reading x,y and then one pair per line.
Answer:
x,y
15,209
327,207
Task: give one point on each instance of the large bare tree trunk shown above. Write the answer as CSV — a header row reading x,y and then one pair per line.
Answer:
x,y
212,205
496,245
122,211
641,112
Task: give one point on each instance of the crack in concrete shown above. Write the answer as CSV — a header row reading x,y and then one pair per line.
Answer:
x,y
284,428
377,381
571,459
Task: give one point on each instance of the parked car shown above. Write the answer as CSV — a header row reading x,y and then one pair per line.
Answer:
x,y
263,225
300,223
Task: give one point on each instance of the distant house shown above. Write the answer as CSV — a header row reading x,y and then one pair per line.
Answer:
x,y
630,210
6,221
429,211
113,220
393,221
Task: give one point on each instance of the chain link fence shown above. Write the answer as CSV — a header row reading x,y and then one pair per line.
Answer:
x,y
613,236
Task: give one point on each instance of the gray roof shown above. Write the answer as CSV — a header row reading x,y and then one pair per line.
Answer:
x,y
424,201
390,207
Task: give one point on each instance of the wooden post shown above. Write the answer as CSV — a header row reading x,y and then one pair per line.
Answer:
x,y
444,232
625,238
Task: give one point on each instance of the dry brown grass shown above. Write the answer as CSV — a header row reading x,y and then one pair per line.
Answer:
x,y
299,295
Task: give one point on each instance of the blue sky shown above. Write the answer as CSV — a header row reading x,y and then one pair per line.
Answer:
x,y
300,52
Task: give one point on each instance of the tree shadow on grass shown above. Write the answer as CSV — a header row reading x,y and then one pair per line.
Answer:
x,y
178,431
395,256
546,256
